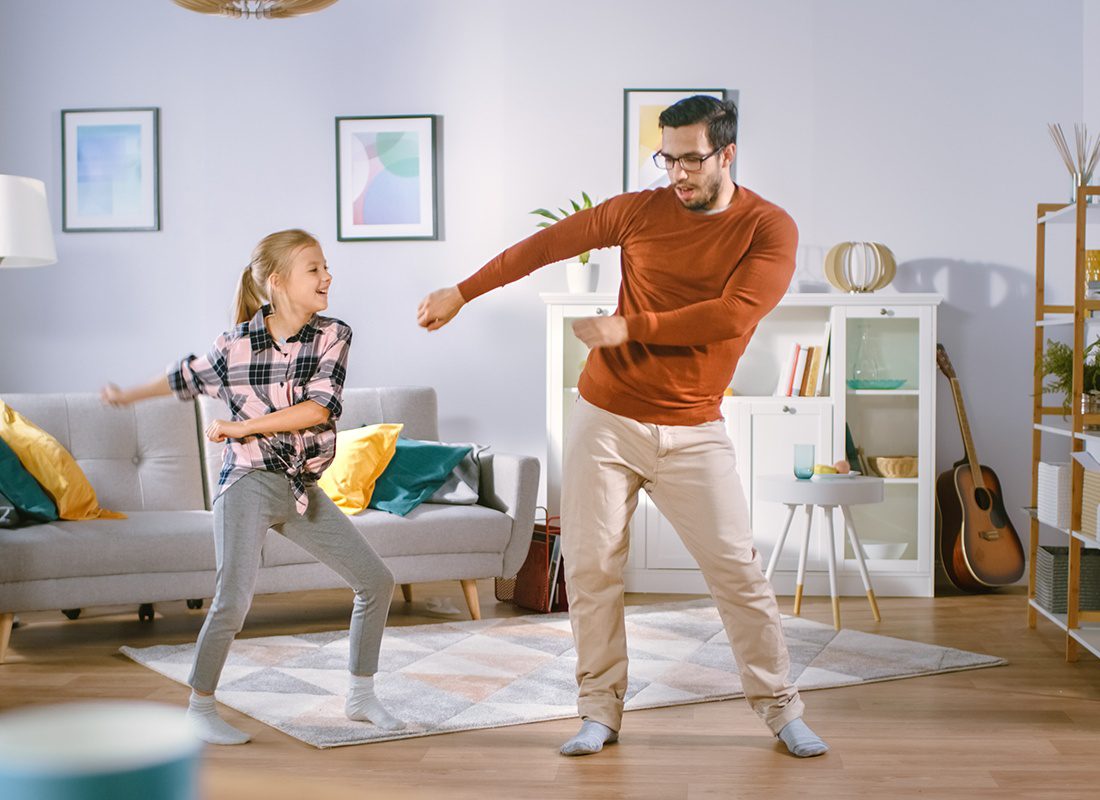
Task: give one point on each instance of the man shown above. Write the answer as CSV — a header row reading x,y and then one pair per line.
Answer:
x,y
703,261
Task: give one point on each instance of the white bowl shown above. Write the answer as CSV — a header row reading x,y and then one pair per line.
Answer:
x,y
886,550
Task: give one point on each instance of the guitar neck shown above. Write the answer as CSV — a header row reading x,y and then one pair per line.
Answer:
x,y
968,441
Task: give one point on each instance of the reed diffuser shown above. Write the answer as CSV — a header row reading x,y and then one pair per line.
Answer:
x,y
1081,161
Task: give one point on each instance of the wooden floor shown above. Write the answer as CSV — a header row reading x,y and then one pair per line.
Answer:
x,y
1027,730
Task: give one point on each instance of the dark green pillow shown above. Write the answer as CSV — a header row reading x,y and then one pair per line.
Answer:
x,y
415,472
17,485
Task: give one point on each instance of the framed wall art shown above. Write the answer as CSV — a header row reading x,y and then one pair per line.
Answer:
x,y
110,169
387,178
642,134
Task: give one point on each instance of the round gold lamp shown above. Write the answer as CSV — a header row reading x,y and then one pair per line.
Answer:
x,y
859,267
258,9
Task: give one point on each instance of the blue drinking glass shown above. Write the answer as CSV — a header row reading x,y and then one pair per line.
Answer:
x,y
803,461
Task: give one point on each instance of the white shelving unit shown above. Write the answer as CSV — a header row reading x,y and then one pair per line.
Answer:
x,y
764,429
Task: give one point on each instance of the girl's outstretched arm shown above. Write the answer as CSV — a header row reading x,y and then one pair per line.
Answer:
x,y
112,395
306,414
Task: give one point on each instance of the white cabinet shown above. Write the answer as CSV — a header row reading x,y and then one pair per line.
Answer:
x,y
764,429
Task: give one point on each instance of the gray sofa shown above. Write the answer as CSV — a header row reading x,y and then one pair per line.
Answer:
x,y
152,462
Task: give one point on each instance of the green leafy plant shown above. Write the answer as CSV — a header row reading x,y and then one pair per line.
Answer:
x,y
1058,363
562,213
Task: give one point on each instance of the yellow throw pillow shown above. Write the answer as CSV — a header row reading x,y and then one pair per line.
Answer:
x,y
52,466
362,454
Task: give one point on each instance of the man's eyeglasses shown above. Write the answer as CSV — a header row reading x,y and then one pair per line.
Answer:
x,y
691,163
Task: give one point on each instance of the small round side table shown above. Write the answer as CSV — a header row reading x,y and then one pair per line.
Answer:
x,y
827,494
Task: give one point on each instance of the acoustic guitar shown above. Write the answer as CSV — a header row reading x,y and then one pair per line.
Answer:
x,y
979,547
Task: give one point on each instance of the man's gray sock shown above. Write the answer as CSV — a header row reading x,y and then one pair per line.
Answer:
x,y
589,739
802,741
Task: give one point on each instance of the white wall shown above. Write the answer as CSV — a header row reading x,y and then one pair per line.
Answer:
x,y
920,124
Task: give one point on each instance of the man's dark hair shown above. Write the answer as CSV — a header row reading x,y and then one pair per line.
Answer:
x,y
719,115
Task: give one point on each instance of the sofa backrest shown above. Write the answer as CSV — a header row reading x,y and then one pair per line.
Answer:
x,y
141,458
415,406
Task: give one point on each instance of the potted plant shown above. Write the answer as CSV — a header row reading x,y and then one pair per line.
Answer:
x,y
1058,363
581,275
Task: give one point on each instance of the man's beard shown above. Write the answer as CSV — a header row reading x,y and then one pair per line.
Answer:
x,y
705,194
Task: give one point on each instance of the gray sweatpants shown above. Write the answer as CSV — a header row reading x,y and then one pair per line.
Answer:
x,y
242,515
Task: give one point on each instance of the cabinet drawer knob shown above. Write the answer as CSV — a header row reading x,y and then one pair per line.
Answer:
x,y
789,410
886,312
601,312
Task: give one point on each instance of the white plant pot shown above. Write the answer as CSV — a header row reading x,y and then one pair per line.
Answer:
x,y
582,278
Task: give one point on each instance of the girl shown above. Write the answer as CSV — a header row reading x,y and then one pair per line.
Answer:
x,y
281,371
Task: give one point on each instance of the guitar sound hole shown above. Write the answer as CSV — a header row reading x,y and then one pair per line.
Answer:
x,y
981,497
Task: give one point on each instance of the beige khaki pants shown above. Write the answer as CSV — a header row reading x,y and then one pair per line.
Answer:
x,y
691,474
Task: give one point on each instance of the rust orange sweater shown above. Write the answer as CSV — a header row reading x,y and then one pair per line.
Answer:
x,y
694,287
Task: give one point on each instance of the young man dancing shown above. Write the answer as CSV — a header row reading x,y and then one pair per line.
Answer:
x,y
703,261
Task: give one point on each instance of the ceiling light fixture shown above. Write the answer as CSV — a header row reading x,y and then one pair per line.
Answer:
x,y
260,9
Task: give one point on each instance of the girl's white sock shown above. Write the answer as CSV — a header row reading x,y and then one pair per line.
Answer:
x,y
208,726
364,706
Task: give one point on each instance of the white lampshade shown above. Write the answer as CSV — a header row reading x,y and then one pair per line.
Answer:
x,y
25,236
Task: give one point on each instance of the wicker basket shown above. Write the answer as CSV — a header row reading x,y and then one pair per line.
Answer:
x,y
1052,579
894,466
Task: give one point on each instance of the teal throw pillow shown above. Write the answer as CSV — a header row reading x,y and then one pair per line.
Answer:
x,y
415,472
22,489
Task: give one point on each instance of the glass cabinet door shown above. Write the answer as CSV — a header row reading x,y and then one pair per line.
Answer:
x,y
883,382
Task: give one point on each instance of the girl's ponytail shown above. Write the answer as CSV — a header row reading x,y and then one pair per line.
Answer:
x,y
249,299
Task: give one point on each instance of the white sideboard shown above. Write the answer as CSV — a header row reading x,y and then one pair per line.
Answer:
x,y
896,331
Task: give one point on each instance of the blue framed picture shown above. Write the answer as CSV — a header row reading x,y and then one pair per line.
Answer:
x,y
110,168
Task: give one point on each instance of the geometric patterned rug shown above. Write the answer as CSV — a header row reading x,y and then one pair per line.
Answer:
x,y
458,676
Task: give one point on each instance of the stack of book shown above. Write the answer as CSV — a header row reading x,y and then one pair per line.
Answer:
x,y
803,373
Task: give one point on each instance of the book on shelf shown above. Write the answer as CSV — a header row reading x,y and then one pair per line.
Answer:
x,y
799,371
813,371
786,374
821,387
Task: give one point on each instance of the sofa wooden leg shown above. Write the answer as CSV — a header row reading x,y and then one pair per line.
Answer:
x,y
469,588
6,621
407,592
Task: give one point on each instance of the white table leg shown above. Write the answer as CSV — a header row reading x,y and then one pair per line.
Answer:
x,y
802,561
857,548
779,544
831,552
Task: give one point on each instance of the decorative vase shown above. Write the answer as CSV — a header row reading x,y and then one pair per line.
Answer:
x,y
582,278
859,267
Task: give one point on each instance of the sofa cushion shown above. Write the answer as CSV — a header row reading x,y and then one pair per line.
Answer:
x,y
362,454
417,470
429,529
22,489
462,487
148,541
144,457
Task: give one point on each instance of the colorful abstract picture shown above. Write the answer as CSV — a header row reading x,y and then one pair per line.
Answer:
x,y
110,169
386,178
642,134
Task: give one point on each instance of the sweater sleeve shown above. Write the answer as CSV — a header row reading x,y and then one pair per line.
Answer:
x,y
588,229
754,289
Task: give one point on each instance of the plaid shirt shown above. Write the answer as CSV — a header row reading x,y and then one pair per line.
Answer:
x,y
255,375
